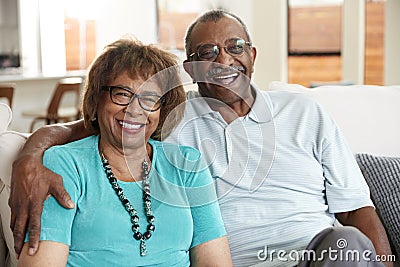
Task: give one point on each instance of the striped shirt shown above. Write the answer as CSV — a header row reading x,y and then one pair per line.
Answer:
x,y
281,172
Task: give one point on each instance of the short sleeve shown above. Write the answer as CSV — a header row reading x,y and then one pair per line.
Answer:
x,y
202,197
56,220
346,188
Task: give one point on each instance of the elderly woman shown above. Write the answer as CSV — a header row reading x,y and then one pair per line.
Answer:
x,y
139,201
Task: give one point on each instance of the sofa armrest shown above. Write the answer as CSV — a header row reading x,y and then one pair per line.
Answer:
x,y
5,117
10,144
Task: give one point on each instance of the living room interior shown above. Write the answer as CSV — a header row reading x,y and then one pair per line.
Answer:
x,y
350,63
348,42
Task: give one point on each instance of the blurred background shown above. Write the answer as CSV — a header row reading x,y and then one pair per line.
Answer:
x,y
308,42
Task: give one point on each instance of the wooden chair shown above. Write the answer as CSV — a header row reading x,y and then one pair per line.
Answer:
x,y
7,91
56,112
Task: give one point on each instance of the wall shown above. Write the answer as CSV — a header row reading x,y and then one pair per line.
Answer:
x,y
29,32
115,18
353,40
269,20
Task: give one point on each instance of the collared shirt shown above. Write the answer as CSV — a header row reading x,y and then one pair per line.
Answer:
x,y
281,172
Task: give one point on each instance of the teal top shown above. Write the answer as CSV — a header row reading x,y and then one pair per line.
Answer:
x,y
98,230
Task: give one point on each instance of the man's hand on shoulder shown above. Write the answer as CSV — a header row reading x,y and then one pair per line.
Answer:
x,y
31,184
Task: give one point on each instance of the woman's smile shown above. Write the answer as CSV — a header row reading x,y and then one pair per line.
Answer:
x,y
131,125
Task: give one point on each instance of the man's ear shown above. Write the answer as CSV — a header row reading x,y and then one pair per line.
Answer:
x,y
188,66
253,57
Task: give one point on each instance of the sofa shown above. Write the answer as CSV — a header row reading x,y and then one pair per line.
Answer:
x,y
367,115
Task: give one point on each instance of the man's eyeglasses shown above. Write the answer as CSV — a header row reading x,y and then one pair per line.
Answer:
x,y
209,52
123,96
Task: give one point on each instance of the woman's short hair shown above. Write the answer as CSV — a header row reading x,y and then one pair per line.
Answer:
x,y
138,61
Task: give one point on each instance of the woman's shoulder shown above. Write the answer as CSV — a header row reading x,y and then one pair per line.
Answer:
x,y
84,145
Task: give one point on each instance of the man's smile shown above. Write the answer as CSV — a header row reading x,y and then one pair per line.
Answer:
x,y
225,75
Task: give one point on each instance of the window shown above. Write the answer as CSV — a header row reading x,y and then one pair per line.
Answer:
x,y
80,35
314,41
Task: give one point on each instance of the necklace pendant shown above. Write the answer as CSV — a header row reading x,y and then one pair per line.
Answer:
x,y
143,249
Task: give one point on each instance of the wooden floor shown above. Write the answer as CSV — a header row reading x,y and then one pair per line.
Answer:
x,y
305,70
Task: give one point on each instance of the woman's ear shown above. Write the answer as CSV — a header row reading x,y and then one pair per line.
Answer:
x,y
188,66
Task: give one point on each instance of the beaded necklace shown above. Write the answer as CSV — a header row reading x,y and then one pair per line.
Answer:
x,y
129,208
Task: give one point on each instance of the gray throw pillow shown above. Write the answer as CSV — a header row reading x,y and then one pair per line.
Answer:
x,y
383,177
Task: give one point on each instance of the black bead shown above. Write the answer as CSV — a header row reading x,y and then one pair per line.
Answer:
x,y
135,228
151,227
118,191
137,235
132,212
129,208
150,219
147,235
134,219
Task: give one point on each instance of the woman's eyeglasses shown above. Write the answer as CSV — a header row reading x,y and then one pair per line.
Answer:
x,y
209,52
123,96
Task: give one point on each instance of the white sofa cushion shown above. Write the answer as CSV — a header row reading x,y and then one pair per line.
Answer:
x,y
10,144
367,115
5,117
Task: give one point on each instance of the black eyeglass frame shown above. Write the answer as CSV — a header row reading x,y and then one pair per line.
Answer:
x,y
110,88
216,49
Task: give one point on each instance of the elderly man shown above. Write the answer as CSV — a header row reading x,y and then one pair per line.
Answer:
x,y
282,170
